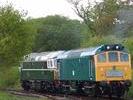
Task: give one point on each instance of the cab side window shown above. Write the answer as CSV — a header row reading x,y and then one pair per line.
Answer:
x,y
124,57
101,57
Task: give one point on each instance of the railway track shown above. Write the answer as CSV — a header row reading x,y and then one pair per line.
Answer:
x,y
51,96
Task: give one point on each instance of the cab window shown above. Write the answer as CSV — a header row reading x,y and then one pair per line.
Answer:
x,y
113,56
124,57
102,57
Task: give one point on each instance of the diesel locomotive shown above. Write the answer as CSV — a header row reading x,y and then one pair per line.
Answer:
x,y
101,70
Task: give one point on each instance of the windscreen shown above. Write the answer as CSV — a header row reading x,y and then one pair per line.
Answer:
x,y
102,57
124,57
113,56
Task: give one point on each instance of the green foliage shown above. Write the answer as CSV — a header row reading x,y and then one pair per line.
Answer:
x,y
130,32
57,33
9,77
99,18
93,41
99,40
16,36
105,14
129,44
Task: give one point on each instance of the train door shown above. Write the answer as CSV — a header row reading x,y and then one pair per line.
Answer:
x,y
52,63
91,67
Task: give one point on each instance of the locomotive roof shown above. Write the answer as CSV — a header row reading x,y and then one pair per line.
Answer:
x,y
79,52
43,56
92,51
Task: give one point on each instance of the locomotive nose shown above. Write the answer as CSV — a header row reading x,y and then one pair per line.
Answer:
x,y
113,65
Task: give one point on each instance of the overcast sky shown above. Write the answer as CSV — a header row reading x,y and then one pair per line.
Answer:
x,y
42,8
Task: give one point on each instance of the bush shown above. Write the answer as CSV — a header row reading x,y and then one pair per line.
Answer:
x,y
129,44
9,77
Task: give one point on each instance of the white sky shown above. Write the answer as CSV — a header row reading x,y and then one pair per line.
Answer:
x,y
42,8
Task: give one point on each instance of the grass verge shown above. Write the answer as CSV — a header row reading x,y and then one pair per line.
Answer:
x,y
7,96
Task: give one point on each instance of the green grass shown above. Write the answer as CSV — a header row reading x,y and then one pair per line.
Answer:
x,y
7,96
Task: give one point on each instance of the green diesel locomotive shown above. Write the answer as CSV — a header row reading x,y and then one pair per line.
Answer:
x,y
102,70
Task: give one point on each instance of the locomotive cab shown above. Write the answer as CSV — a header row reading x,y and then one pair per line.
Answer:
x,y
113,63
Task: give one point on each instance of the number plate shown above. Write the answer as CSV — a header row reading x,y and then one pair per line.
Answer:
x,y
114,73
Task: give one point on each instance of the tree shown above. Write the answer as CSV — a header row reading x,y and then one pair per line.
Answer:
x,y
57,33
100,17
16,36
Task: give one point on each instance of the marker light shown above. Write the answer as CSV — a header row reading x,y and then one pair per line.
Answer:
x,y
108,47
117,47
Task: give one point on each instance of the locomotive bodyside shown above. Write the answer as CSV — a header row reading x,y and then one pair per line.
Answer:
x,y
81,69
37,71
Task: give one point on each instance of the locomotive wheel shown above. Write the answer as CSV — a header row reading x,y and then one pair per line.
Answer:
x,y
79,87
97,91
109,91
37,87
120,92
26,85
64,89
